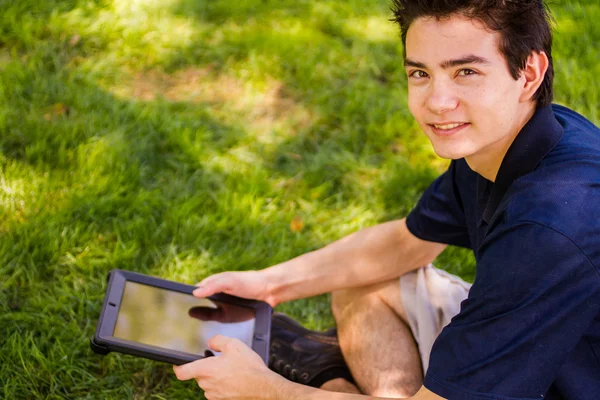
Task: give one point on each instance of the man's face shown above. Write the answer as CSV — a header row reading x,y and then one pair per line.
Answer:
x,y
459,88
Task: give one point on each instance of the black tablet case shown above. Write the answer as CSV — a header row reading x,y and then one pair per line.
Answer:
x,y
260,342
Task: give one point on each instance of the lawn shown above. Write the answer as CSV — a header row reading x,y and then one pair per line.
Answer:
x,y
180,138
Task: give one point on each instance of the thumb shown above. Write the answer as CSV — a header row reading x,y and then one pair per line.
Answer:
x,y
220,343
211,285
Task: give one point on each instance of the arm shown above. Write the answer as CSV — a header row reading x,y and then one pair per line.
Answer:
x,y
240,373
369,256
366,257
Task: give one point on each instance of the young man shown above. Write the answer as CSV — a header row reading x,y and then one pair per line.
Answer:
x,y
522,191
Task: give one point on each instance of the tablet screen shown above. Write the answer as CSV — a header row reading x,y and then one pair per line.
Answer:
x,y
179,321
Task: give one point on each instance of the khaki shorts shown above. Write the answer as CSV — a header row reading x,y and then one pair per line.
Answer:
x,y
431,297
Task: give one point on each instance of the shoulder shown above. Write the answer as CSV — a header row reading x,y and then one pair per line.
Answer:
x,y
581,138
563,192
566,182
563,199
570,120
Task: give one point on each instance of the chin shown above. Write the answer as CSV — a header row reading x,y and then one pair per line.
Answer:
x,y
454,150
450,154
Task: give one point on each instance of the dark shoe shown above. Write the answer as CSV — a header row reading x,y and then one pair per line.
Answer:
x,y
304,356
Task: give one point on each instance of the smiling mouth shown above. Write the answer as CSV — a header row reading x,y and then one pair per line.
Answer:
x,y
448,129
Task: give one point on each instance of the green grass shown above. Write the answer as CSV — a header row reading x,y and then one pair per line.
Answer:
x,y
180,138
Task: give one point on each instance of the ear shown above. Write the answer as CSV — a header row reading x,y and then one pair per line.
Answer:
x,y
534,73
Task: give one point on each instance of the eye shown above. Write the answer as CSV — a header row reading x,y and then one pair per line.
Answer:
x,y
466,72
418,74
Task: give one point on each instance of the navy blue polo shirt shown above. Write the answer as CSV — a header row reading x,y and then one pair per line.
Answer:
x,y
530,327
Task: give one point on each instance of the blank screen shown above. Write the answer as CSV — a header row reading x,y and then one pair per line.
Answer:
x,y
179,321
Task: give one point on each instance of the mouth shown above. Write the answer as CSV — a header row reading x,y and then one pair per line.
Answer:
x,y
448,128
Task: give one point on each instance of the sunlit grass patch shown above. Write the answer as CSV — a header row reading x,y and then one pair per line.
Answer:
x,y
263,108
372,28
138,33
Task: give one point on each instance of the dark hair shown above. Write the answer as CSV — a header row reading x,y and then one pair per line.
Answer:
x,y
524,26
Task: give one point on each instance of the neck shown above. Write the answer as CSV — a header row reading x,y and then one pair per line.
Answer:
x,y
487,161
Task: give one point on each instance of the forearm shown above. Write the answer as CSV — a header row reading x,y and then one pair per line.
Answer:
x,y
293,391
371,255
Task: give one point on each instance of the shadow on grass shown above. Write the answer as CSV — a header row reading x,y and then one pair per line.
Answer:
x,y
133,195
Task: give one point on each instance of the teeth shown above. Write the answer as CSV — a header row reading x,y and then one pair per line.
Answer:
x,y
448,126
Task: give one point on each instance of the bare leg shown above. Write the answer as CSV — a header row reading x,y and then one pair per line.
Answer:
x,y
340,385
376,341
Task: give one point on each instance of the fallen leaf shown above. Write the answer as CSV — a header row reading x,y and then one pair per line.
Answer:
x,y
297,224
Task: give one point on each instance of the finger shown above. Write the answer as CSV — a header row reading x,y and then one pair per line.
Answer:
x,y
204,288
220,343
211,285
191,370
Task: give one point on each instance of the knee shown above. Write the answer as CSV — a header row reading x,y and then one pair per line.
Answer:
x,y
365,298
340,299
346,300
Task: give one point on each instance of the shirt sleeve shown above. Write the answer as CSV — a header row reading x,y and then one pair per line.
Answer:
x,y
439,215
534,297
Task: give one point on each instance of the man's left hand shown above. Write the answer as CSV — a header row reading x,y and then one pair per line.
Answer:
x,y
238,373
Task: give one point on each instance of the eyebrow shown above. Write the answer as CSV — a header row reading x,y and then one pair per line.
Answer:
x,y
469,59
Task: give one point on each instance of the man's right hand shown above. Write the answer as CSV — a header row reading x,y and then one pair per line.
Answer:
x,y
247,284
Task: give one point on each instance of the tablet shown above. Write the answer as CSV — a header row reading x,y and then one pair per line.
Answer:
x,y
161,320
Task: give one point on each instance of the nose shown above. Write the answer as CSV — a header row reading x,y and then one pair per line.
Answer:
x,y
441,97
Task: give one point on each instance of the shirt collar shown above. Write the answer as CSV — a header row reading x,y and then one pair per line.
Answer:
x,y
539,135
